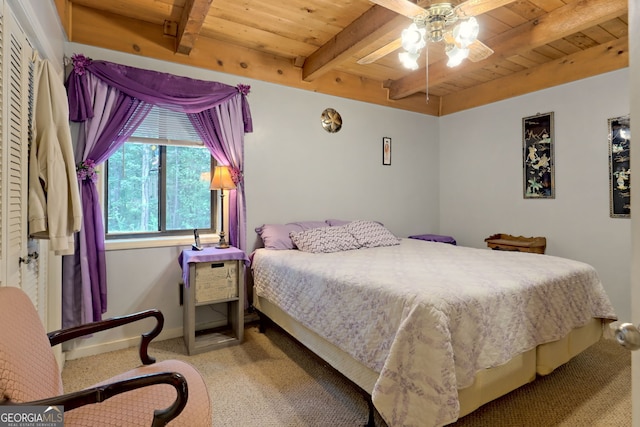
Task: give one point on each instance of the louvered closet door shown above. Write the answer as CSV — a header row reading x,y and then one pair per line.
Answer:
x,y
16,154
3,157
17,112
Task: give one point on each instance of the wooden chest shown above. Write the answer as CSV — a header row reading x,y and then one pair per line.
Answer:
x,y
507,242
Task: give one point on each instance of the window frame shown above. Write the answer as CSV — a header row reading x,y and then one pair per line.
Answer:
x,y
162,179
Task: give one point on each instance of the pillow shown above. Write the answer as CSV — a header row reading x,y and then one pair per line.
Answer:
x,y
276,236
341,222
371,234
324,240
336,222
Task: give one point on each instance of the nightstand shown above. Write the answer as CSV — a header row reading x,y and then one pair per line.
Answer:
x,y
507,242
214,279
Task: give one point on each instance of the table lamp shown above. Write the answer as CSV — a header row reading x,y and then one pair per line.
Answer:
x,y
222,181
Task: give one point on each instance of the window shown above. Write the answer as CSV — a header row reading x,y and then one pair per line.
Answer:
x,y
157,183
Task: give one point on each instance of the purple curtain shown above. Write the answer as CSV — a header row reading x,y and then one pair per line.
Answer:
x,y
221,129
111,100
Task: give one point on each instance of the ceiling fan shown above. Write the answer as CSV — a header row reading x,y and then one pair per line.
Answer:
x,y
441,22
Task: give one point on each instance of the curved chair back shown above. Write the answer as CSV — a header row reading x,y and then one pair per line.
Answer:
x,y
28,368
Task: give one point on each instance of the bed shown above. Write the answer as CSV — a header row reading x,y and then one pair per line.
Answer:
x,y
431,331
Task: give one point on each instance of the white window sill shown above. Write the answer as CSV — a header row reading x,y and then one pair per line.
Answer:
x,y
158,242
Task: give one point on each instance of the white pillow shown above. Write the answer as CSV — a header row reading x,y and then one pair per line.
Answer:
x,y
371,234
324,240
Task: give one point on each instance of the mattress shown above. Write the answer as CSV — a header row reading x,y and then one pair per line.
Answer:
x,y
429,321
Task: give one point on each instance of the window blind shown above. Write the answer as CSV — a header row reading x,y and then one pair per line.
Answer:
x,y
166,127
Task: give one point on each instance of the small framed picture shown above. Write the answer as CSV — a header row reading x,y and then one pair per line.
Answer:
x,y
386,151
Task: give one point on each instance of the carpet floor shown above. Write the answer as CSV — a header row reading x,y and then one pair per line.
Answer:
x,y
271,380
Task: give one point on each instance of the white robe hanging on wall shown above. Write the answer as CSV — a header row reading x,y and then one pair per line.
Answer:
x,y
55,210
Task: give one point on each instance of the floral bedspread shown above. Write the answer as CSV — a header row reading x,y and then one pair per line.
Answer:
x,y
428,316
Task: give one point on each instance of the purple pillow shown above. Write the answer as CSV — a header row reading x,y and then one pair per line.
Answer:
x,y
276,236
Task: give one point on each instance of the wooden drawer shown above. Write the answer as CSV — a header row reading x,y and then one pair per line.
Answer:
x,y
216,281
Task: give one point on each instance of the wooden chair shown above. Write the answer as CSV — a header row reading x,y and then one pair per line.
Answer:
x,y
153,394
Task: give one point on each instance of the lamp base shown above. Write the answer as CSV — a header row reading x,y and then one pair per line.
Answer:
x,y
222,243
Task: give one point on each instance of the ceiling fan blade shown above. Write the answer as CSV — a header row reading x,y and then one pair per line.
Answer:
x,y
478,7
403,7
381,52
479,51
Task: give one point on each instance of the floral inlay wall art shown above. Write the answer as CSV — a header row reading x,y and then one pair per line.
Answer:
x,y
619,167
538,158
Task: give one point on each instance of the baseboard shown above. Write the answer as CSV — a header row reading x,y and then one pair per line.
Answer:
x,y
93,350
166,334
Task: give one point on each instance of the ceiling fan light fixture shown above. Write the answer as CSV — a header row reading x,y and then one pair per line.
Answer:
x,y
413,38
441,22
437,26
466,32
456,54
409,60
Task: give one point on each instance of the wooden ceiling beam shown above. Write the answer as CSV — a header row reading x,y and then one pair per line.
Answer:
x,y
145,39
564,21
380,52
410,9
370,27
475,8
191,20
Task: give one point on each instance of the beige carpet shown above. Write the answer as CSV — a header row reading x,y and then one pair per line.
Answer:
x,y
271,380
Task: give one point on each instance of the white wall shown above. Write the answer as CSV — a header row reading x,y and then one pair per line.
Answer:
x,y
294,171
481,178
39,20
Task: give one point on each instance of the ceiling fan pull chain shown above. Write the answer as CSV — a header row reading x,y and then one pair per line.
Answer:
x,y
426,54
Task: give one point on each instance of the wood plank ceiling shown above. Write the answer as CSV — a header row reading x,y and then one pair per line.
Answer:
x,y
350,48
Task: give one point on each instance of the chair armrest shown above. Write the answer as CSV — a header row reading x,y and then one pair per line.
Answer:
x,y
62,335
101,393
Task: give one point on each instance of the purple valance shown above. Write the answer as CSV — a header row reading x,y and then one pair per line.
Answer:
x,y
169,91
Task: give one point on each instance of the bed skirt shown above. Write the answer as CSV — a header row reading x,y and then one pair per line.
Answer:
x,y
489,384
